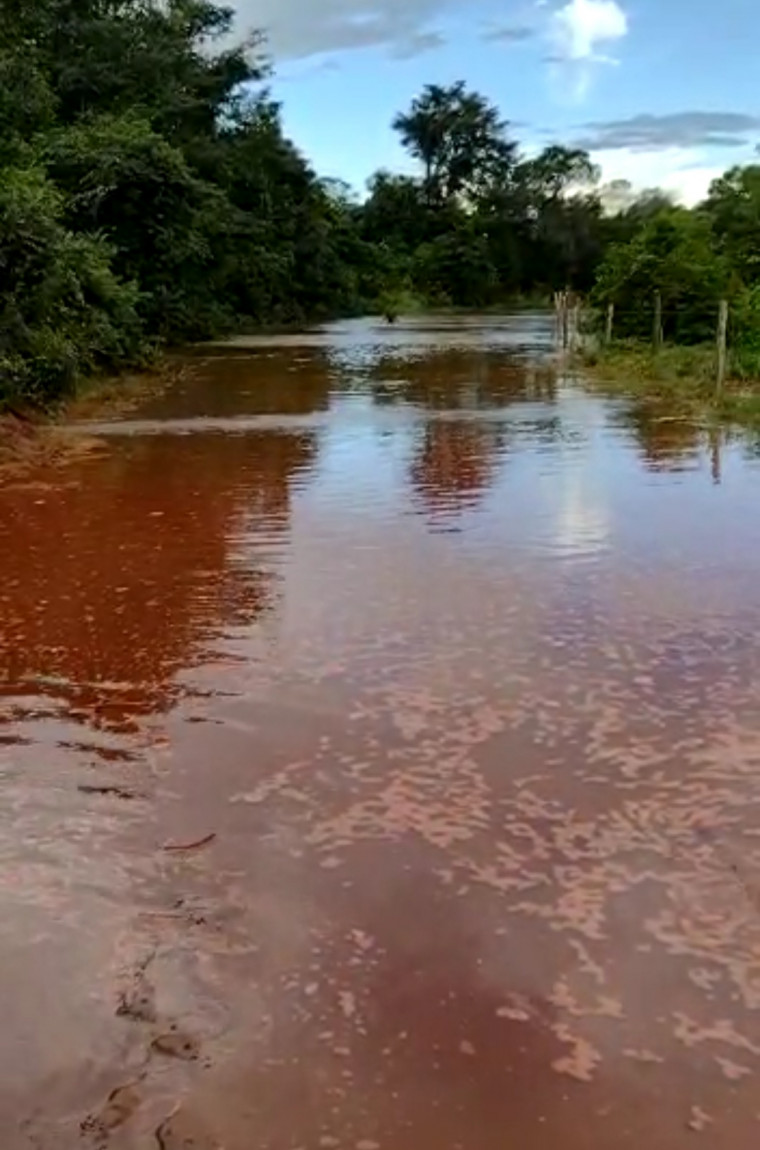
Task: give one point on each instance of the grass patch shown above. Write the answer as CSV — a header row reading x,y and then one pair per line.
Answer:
x,y
109,396
683,379
31,439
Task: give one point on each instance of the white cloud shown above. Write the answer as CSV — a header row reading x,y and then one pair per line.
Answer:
x,y
297,29
582,26
583,527
578,32
685,172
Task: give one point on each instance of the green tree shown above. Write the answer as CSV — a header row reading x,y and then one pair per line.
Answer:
x,y
26,102
673,254
63,313
138,55
733,209
460,140
563,237
126,182
456,268
395,213
555,173
166,166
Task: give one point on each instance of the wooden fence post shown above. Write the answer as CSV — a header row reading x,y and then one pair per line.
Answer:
x,y
577,339
657,327
722,343
610,324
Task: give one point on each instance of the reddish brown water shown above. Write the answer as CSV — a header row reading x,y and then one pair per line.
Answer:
x,y
459,664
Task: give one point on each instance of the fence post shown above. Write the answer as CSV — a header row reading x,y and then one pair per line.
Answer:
x,y
722,343
575,327
657,327
565,321
610,324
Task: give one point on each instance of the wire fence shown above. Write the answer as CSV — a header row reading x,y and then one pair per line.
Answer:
x,y
578,326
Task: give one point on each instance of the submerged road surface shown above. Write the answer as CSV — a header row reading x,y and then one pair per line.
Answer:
x,y
380,762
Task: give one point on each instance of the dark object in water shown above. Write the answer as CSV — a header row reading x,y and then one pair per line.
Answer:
x,y
193,846
176,1044
116,792
391,316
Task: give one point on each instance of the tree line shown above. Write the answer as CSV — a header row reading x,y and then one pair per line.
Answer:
x,y
149,195
692,259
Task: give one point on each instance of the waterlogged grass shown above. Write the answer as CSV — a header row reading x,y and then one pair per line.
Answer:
x,y
741,406
681,379
109,396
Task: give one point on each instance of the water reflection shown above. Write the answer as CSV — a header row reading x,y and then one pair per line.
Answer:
x,y
114,580
668,441
455,464
253,381
460,380
449,379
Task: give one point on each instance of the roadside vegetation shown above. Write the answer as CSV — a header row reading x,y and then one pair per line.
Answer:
x,y
676,380
692,260
150,196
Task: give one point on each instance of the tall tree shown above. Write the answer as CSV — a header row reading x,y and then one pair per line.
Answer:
x,y
564,211
460,139
733,209
558,172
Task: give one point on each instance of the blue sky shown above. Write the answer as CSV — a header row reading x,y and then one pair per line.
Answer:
x,y
663,92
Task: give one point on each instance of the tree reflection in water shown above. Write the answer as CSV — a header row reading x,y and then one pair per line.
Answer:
x,y
143,544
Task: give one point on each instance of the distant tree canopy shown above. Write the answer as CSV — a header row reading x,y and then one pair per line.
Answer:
x,y
459,139
693,259
481,223
148,194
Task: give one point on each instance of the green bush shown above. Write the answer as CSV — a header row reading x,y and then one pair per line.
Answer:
x,y
673,254
63,312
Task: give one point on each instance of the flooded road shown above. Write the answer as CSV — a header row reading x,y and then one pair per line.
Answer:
x,y
380,760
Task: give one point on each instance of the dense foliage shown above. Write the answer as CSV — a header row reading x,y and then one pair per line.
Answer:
x,y
147,191
693,259
148,194
482,224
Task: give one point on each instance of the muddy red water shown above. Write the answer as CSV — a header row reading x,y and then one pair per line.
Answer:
x,y
380,760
